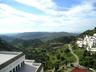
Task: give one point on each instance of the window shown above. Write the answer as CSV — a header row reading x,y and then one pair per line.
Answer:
x,y
10,71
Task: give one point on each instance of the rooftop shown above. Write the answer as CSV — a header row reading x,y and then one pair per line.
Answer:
x,y
79,70
30,66
7,57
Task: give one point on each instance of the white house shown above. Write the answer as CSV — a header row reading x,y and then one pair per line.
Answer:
x,y
89,42
80,42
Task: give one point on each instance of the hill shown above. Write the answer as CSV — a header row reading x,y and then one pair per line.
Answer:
x,y
44,36
88,32
4,46
7,38
51,49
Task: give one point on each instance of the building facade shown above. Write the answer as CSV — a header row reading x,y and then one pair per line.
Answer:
x,y
15,62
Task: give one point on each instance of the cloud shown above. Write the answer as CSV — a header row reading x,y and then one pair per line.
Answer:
x,y
75,19
43,5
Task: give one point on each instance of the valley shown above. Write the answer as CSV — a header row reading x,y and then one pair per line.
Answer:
x,y
59,54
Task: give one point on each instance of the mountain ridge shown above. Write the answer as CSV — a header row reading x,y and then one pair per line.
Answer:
x,y
37,35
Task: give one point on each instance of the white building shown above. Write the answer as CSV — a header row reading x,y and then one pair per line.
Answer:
x,y
15,62
89,42
80,43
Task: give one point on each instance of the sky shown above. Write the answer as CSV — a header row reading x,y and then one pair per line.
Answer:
x,y
47,15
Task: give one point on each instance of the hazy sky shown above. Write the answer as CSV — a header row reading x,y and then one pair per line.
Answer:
x,y
47,15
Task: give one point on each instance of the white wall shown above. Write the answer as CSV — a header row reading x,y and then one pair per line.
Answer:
x,y
42,70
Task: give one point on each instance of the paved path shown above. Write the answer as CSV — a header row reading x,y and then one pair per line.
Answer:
x,y
77,58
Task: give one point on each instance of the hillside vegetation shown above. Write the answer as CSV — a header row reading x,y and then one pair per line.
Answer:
x,y
44,36
88,32
53,52
4,46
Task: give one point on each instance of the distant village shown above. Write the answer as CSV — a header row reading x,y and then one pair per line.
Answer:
x,y
88,42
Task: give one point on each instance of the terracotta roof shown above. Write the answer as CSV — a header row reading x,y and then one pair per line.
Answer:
x,y
79,70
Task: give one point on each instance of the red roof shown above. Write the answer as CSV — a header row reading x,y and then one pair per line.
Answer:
x,y
79,70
